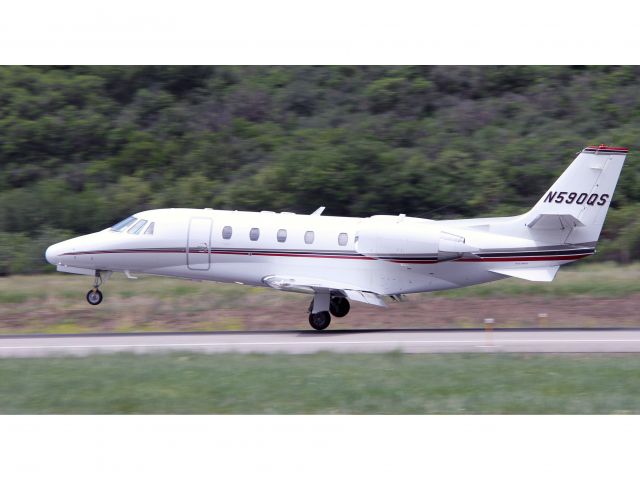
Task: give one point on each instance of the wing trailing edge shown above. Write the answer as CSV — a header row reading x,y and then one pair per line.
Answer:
x,y
365,297
314,285
533,274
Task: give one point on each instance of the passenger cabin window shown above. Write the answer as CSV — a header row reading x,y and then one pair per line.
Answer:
x,y
137,227
254,234
120,226
149,230
308,237
227,232
282,235
343,238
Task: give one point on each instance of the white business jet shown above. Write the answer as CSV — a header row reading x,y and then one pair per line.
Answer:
x,y
341,259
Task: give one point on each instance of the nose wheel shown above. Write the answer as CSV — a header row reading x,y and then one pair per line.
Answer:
x,y
94,296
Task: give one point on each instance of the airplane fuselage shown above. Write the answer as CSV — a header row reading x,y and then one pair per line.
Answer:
x,y
189,243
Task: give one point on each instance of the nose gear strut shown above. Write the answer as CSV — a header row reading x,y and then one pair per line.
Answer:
x,y
94,296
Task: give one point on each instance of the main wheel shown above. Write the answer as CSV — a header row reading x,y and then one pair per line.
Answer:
x,y
94,296
320,320
339,306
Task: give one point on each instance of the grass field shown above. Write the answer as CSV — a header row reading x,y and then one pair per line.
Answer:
x,y
584,295
322,384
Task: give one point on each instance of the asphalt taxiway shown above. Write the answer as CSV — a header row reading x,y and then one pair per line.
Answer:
x,y
341,341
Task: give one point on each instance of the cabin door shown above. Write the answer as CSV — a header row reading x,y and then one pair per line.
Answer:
x,y
199,244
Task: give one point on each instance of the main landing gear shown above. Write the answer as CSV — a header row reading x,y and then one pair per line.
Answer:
x,y
320,320
339,306
321,305
94,296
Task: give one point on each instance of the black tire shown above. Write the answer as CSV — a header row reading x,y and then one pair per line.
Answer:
x,y
339,306
320,320
94,296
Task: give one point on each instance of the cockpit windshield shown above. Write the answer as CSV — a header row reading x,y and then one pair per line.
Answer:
x,y
120,226
134,226
137,227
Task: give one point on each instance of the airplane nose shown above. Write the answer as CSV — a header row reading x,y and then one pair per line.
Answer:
x,y
52,254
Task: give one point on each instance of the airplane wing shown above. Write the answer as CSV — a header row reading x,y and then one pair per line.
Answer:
x,y
313,285
533,274
365,297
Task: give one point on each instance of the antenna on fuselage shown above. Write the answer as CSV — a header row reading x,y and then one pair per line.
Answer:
x,y
318,211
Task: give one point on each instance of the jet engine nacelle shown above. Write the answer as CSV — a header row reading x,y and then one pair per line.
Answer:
x,y
387,239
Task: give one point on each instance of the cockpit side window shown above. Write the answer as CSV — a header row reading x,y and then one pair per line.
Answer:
x,y
149,230
137,227
120,226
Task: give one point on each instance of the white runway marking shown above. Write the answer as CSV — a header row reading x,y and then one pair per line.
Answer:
x,y
365,342
418,341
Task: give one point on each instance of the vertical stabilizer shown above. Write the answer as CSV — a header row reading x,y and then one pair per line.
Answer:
x,y
578,201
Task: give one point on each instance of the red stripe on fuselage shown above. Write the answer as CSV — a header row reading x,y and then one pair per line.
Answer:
x,y
101,252
230,252
525,259
412,261
303,255
345,257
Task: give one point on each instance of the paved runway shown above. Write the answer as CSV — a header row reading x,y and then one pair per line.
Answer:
x,y
301,342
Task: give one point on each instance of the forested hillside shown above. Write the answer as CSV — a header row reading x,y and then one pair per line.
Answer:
x,y
81,147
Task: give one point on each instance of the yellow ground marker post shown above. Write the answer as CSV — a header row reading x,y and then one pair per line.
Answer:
x,y
488,331
542,320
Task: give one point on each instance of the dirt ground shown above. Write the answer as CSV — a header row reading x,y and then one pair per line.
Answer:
x,y
275,310
437,312
602,295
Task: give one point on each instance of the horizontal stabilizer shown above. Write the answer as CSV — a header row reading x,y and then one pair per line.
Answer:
x,y
554,221
533,274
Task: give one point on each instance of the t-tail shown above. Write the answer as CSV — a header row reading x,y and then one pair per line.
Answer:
x,y
573,210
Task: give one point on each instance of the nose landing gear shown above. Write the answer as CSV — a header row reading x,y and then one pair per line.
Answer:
x,y
94,296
